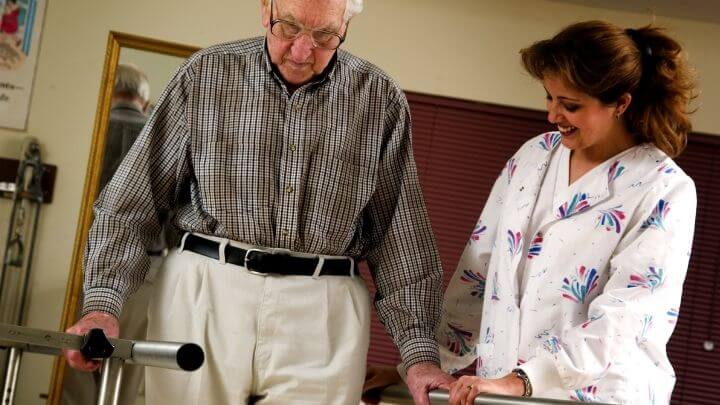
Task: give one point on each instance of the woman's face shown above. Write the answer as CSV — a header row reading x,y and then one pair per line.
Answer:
x,y
584,121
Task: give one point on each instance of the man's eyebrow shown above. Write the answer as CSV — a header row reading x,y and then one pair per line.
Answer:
x,y
330,27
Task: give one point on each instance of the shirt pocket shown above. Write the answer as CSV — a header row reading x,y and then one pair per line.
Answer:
x,y
337,192
235,187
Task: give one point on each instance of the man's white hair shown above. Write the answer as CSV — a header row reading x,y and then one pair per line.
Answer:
x,y
131,81
352,8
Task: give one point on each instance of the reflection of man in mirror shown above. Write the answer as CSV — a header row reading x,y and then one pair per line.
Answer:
x,y
286,161
128,106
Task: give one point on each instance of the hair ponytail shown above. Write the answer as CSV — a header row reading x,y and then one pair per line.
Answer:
x,y
659,110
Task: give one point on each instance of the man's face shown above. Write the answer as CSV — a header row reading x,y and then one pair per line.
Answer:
x,y
298,60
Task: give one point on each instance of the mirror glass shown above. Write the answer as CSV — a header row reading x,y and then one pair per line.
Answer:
x,y
119,120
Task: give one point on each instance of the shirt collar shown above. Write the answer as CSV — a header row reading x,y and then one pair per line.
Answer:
x,y
125,105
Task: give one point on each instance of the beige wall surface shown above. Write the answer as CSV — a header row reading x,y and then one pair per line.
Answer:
x,y
458,48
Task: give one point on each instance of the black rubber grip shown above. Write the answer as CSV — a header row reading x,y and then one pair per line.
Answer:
x,y
190,357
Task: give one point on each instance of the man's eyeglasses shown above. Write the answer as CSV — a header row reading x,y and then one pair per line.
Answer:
x,y
289,31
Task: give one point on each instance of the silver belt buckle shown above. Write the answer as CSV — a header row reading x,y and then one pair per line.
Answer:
x,y
245,262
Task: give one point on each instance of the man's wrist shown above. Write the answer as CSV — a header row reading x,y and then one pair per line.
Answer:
x,y
422,350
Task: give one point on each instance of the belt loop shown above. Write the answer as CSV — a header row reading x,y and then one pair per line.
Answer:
x,y
182,242
221,251
318,268
352,267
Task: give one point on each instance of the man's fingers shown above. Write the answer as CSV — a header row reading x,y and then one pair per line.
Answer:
x,y
470,396
77,360
421,400
420,395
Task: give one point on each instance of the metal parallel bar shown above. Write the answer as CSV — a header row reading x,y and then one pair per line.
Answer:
x,y
115,352
399,394
174,355
30,339
111,378
11,373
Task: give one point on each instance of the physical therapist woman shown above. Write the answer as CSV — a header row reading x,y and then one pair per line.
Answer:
x,y
570,284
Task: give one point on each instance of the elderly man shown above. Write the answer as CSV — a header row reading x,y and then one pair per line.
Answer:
x,y
285,161
128,109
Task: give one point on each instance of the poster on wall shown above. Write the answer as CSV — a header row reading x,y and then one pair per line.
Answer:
x,y
20,26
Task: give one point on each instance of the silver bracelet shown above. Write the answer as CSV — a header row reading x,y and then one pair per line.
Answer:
x,y
519,373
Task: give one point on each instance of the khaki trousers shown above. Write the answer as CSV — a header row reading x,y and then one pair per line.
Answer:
x,y
267,340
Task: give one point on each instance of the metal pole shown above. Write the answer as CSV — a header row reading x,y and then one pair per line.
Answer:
x,y
13,366
95,345
111,378
399,394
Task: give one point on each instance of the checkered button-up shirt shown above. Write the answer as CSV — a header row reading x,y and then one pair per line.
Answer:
x,y
327,169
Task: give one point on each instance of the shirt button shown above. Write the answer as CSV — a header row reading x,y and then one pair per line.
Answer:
x,y
289,189
285,232
297,108
293,148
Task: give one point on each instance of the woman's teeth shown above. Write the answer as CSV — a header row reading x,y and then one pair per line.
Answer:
x,y
566,130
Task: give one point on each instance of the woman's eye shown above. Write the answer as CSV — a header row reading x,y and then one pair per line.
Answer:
x,y
572,107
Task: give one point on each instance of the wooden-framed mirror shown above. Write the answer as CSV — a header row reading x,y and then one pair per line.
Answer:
x,y
158,60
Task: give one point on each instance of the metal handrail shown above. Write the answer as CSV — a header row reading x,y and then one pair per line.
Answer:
x,y
113,352
399,394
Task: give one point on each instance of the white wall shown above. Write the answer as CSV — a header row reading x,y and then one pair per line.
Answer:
x,y
458,48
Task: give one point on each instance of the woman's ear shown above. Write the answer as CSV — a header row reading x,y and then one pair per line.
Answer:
x,y
623,102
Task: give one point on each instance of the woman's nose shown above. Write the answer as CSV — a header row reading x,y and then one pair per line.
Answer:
x,y
551,113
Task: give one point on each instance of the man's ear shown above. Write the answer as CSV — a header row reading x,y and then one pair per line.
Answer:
x,y
265,12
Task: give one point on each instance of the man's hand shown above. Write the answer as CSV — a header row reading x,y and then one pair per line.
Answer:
x,y
425,377
93,320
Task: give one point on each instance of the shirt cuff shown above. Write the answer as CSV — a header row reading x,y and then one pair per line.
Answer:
x,y
103,300
542,373
419,350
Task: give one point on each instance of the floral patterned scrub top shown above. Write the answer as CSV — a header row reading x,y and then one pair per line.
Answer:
x,y
577,284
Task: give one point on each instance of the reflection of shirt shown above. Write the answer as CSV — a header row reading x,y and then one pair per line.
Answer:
x,y
326,170
579,284
124,125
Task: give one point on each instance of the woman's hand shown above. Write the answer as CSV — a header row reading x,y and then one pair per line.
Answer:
x,y
464,390
377,378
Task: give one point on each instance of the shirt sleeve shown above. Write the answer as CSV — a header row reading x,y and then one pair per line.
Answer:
x,y
459,327
647,272
402,255
127,211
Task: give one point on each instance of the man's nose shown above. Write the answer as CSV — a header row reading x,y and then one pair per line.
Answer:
x,y
302,47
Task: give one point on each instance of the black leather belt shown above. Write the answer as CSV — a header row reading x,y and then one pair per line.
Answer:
x,y
264,263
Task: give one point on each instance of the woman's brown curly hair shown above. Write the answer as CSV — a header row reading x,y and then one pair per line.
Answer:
x,y
606,61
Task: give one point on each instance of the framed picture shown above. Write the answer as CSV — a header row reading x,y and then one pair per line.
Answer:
x,y
20,27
